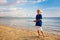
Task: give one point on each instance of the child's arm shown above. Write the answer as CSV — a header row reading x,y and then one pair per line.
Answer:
x,y
34,21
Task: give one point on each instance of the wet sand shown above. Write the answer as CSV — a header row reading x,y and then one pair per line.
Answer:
x,y
10,33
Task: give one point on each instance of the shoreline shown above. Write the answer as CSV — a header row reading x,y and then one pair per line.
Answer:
x,y
56,32
10,33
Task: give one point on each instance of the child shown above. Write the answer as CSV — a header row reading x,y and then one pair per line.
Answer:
x,y
39,23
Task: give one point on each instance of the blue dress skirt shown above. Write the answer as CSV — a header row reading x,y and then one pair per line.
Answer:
x,y
38,23
38,17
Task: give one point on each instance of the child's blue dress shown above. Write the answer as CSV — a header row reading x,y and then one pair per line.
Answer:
x,y
39,17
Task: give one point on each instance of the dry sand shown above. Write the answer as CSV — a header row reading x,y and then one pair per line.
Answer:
x,y
9,33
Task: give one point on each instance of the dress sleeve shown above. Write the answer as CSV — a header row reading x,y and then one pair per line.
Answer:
x,y
38,17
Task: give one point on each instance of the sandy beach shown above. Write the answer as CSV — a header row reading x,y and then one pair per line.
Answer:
x,y
9,33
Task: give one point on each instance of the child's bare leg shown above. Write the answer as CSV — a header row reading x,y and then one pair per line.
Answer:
x,y
42,33
38,31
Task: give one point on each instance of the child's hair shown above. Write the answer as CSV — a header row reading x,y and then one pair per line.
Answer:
x,y
39,11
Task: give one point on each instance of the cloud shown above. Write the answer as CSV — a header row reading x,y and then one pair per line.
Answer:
x,y
40,0
7,9
28,1
3,1
52,12
13,12
7,2
14,2
17,12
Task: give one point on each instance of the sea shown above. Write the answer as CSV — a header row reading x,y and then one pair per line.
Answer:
x,y
50,24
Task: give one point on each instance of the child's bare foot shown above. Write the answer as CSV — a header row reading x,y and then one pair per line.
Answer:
x,y
40,36
43,35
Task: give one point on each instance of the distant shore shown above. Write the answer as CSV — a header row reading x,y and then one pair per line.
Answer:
x,y
9,33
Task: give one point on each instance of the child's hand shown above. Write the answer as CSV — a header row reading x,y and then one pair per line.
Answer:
x,y
34,21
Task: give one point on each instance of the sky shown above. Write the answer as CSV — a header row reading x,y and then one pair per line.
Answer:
x,y
28,8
